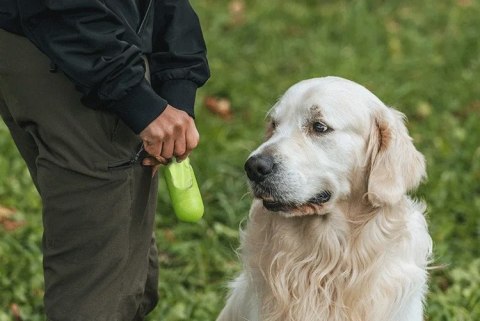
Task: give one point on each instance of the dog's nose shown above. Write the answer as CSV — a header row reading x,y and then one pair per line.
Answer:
x,y
258,167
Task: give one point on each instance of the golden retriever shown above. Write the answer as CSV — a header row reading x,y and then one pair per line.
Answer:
x,y
332,235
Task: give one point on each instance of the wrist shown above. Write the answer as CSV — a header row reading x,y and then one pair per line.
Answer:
x,y
139,107
180,93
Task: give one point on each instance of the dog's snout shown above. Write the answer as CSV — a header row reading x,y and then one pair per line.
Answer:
x,y
258,167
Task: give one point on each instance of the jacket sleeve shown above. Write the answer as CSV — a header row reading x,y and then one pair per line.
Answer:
x,y
84,38
178,62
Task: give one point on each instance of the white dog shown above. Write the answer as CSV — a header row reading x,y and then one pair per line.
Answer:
x,y
332,235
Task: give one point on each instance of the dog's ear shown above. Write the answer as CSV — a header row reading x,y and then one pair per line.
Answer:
x,y
395,165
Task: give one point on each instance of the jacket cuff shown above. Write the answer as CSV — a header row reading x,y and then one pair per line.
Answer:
x,y
179,93
139,107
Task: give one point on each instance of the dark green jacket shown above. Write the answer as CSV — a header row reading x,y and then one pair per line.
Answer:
x,y
99,45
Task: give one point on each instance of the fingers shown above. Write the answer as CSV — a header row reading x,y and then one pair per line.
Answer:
x,y
172,134
192,139
153,148
154,161
168,149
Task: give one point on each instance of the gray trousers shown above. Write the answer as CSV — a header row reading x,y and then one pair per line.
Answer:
x,y
100,259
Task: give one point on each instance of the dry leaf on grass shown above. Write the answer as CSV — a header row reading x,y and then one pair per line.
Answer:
x,y
237,12
7,221
219,106
6,212
465,3
15,309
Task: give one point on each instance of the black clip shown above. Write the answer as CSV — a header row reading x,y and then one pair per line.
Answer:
x,y
139,156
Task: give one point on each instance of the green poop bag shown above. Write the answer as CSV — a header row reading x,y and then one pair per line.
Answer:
x,y
183,189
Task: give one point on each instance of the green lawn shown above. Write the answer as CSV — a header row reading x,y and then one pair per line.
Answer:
x,y
422,57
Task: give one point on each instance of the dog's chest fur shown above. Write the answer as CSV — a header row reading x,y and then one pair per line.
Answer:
x,y
325,269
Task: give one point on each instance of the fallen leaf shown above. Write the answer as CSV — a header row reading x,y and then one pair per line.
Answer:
x,y
10,225
465,3
237,12
7,221
14,308
219,106
170,236
6,212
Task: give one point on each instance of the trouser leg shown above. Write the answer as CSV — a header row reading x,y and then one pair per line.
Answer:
x,y
150,297
24,141
98,207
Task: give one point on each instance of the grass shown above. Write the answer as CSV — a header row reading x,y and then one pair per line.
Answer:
x,y
422,57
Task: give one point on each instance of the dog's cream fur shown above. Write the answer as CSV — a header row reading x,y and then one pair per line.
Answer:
x,y
363,254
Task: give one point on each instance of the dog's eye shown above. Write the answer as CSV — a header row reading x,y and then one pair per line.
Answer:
x,y
270,129
319,127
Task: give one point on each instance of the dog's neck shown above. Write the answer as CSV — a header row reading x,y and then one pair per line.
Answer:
x,y
319,261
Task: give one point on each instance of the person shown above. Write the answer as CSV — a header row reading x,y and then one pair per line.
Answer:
x,y
96,95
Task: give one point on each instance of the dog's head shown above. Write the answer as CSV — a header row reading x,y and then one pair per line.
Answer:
x,y
326,138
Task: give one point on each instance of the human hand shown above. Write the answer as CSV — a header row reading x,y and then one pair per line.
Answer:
x,y
172,134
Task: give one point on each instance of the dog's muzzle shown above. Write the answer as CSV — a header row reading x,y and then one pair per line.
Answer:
x,y
277,206
260,170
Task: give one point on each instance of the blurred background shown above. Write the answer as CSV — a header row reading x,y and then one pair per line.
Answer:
x,y
422,57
